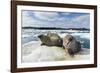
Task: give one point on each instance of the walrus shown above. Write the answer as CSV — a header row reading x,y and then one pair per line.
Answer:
x,y
51,39
71,44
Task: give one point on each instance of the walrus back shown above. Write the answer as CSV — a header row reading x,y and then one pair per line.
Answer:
x,y
51,39
74,48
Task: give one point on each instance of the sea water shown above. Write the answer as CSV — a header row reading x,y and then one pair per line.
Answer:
x,y
83,36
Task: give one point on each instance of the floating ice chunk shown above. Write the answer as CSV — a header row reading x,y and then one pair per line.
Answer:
x,y
81,35
26,35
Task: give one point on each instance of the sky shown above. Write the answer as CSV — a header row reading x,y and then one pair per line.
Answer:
x,y
55,19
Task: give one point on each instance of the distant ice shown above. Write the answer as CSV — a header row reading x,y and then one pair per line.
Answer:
x,y
81,35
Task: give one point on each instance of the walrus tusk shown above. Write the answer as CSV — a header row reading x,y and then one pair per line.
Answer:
x,y
66,52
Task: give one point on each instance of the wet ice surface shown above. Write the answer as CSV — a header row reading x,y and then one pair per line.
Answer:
x,y
33,52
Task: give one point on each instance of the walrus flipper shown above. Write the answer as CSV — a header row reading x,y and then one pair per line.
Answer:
x,y
42,44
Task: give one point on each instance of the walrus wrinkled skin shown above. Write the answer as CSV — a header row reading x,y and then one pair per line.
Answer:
x,y
71,44
51,39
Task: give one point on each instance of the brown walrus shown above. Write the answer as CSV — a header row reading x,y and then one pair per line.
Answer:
x,y
51,39
71,44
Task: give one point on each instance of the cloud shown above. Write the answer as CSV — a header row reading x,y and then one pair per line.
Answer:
x,y
54,19
47,16
82,21
26,19
65,13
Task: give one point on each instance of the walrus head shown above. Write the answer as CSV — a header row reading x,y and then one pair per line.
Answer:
x,y
67,39
71,44
41,37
